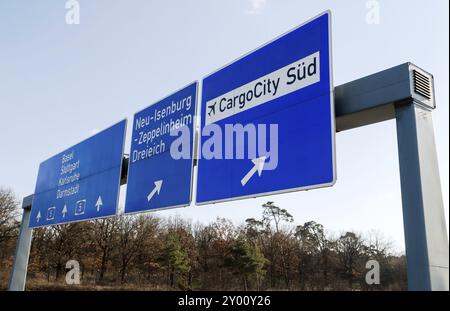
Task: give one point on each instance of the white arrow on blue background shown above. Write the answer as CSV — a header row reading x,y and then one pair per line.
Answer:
x,y
155,190
64,211
38,217
99,203
258,166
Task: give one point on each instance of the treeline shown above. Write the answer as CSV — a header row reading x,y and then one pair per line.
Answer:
x,y
266,253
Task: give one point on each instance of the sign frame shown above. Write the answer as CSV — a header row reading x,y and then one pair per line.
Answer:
x,y
118,181
332,112
194,142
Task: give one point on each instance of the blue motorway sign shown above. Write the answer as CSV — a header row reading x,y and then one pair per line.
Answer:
x,y
267,119
82,182
161,155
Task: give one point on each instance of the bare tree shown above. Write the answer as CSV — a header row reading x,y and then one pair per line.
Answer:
x,y
275,214
8,215
132,232
314,243
103,233
350,248
273,241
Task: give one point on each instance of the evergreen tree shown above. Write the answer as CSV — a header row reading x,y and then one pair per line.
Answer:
x,y
247,261
176,260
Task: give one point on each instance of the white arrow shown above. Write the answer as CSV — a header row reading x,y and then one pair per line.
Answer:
x,y
64,211
38,217
157,189
258,166
99,203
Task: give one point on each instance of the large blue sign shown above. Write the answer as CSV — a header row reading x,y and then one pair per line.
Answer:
x,y
161,155
82,182
268,120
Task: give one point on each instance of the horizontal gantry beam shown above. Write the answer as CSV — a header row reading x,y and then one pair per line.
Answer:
x,y
373,99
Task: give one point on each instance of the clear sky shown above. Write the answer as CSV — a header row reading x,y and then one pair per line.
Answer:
x,y
60,83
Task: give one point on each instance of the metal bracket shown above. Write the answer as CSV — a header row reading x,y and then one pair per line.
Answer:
x,y
372,99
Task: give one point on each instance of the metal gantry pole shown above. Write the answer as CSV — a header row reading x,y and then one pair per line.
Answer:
x,y
423,211
19,272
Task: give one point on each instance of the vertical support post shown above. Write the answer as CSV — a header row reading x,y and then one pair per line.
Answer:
x,y
427,251
19,273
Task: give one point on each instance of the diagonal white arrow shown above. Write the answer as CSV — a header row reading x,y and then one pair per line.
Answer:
x,y
64,211
38,217
99,203
157,189
258,166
